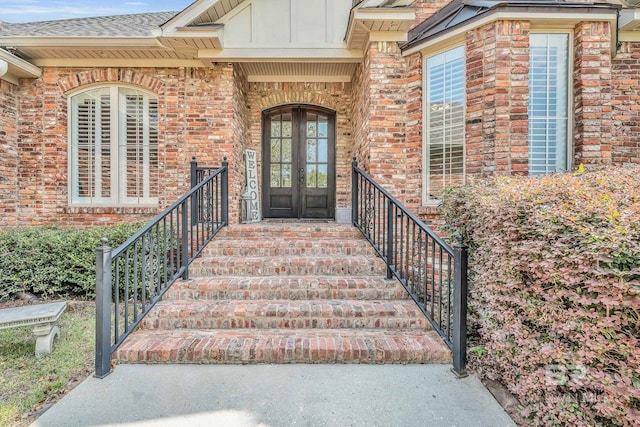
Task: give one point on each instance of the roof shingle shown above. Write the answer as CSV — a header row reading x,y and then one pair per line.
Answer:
x,y
135,25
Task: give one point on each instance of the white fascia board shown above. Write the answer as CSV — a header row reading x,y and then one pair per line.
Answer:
x,y
188,15
388,36
629,19
83,42
629,36
112,62
548,18
281,54
382,14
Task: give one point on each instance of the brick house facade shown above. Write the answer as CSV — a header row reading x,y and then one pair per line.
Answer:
x,y
211,89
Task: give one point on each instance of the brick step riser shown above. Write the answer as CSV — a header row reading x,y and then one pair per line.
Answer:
x,y
298,347
286,294
281,356
286,270
219,249
285,322
234,233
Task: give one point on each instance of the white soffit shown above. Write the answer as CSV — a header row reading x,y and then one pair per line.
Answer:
x,y
378,24
298,72
629,25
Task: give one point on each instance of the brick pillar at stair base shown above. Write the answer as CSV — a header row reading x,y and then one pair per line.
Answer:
x,y
286,293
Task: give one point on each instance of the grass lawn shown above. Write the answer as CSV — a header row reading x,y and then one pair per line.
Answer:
x,y
29,383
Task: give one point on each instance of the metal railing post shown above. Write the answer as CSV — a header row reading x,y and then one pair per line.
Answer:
x,y
194,182
185,240
354,192
224,192
103,310
390,212
459,339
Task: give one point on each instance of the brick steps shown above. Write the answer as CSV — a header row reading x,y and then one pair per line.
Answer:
x,y
286,293
287,246
278,346
288,288
294,265
284,314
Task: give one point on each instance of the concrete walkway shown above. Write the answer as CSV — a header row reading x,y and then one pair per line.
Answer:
x,y
278,396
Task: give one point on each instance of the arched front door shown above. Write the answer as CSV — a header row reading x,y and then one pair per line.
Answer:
x,y
298,158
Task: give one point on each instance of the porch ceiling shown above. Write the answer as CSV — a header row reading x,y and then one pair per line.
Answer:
x,y
298,72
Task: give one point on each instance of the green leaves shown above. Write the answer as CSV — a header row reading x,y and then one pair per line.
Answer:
x,y
50,261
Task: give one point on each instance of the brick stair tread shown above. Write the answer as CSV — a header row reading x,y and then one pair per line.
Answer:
x,y
288,287
283,346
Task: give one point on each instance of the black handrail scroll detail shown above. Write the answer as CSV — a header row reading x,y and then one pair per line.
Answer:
x,y
433,273
131,279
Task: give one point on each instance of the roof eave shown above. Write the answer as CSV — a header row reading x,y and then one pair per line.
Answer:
x,y
12,68
82,42
528,12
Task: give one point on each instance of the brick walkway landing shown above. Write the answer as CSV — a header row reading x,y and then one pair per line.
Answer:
x,y
286,293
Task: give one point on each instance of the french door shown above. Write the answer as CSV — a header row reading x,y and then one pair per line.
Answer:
x,y
298,158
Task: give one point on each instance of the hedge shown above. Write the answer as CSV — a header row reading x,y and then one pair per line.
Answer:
x,y
50,261
555,291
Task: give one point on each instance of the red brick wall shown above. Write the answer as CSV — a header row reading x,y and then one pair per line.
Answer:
x,y
625,104
592,91
497,97
387,117
336,96
361,103
196,119
237,179
8,154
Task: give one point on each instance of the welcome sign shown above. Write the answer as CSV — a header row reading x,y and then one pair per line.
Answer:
x,y
251,165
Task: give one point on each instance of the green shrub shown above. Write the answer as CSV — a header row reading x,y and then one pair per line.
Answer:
x,y
50,261
555,291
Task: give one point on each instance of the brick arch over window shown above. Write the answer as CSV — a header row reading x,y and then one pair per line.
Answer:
x,y
110,75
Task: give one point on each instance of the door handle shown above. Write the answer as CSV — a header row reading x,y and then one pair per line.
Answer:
x,y
301,177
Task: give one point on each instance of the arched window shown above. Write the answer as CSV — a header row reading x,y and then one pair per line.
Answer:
x,y
114,147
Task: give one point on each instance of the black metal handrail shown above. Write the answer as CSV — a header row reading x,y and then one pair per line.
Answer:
x,y
131,279
433,273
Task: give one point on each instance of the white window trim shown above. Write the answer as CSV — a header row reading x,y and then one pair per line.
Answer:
x,y
145,202
426,200
570,90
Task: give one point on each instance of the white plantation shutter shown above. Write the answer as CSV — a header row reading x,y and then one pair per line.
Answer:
x,y
548,103
91,147
444,122
114,134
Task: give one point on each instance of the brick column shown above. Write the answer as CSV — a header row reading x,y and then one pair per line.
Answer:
x,y
497,99
592,93
8,155
625,104
386,115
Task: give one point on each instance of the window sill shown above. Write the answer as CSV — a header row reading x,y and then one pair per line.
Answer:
x,y
92,209
429,209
